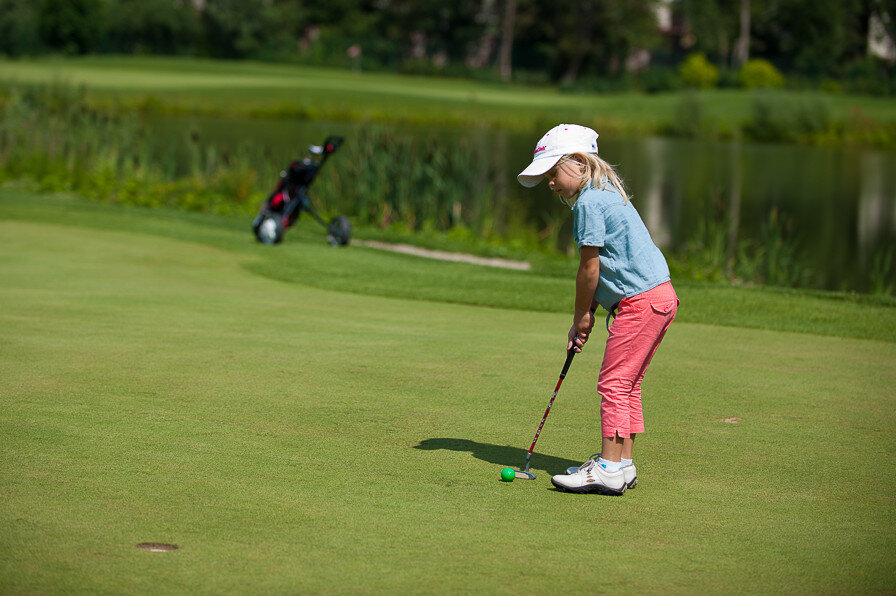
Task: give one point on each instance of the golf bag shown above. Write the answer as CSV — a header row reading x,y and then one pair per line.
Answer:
x,y
290,198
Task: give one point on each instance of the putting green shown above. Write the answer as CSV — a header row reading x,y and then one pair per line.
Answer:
x,y
289,438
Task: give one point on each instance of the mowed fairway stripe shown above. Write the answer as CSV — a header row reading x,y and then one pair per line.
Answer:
x,y
292,439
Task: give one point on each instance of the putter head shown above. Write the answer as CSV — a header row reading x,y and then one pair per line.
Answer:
x,y
524,475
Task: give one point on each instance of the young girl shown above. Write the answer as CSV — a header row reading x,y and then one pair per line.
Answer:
x,y
620,269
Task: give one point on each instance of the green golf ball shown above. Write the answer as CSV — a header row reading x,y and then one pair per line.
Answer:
x,y
507,474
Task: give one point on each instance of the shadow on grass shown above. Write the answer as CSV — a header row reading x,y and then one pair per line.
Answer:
x,y
500,455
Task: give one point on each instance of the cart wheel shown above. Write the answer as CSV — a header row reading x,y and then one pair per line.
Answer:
x,y
339,231
270,229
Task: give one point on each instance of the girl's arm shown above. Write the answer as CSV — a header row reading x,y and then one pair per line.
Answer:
x,y
586,284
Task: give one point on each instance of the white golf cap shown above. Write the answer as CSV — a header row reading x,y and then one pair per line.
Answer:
x,y
561,140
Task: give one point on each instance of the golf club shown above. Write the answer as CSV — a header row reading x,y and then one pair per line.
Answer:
x,y
525,474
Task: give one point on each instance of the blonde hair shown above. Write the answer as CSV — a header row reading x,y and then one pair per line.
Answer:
x,y
595,171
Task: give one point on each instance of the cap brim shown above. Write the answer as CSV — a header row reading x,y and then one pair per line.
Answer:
x,y
531,176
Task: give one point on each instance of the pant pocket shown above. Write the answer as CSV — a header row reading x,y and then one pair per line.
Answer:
x,y
664,308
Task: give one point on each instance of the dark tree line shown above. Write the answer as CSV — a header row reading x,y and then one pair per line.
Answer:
x,y
562,40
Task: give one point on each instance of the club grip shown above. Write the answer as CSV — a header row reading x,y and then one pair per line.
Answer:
x,y
569,355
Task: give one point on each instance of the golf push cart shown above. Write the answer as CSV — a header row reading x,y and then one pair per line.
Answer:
x,y
290,198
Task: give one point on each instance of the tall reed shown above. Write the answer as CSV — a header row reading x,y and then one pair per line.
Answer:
x,y
381,177
774,258
388,179
49,135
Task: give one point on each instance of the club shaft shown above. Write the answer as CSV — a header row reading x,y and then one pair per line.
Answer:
x,y
569,357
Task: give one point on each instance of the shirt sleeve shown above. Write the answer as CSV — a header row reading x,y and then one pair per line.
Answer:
x,y
588,224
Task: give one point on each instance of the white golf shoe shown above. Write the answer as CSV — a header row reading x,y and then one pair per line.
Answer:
x,y
591,478
630,472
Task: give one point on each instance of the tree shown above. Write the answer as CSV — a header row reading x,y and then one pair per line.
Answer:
x,y
812,36
152,26
488,21
237,28
742,49
18,27
71,26
507,31
596,35
426,29
713,25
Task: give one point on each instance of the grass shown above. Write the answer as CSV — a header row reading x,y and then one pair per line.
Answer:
x,y
307,260
294,434
276,90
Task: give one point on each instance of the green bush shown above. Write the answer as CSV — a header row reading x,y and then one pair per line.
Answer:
x,y
689,117
758,74
813,117
729,79
869,76
776,117
830,86
772,119
658,79
697,71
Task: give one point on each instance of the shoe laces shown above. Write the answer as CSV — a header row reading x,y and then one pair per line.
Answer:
x,y
592,458
585,467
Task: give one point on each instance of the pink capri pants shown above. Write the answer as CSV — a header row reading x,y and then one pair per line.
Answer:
x,y
641,322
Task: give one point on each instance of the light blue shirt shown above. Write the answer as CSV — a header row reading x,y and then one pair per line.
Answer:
x,y
630,263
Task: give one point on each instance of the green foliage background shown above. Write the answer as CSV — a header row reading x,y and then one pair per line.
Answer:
x,y
580,44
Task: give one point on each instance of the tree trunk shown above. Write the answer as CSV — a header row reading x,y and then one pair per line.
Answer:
x,y
584,20
487,19
504,59
742,51
572,69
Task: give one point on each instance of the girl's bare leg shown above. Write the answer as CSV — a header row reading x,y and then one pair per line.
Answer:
x,y
616,448
627,446
611,448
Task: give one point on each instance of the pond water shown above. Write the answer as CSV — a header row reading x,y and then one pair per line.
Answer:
x,y
833,209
